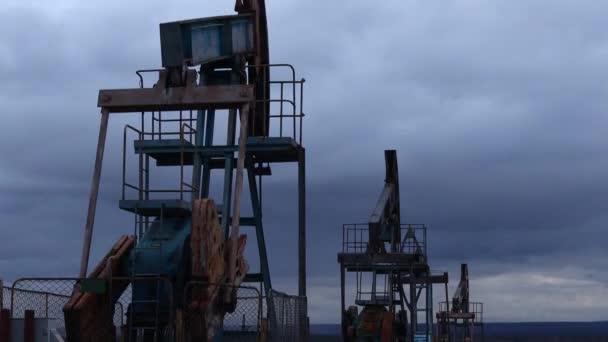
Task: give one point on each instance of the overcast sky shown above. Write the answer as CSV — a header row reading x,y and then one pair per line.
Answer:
x,y
497,110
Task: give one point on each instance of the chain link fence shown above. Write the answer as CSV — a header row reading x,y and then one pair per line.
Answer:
x,y
288,318
83,309
94,310
242,322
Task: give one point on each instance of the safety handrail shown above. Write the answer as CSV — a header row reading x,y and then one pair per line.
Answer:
x,y
355,238
140,188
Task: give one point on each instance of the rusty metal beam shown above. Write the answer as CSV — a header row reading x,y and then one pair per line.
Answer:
x,y
238,189
88,231
175,98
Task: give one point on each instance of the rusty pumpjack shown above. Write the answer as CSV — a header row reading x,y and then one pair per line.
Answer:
x,y
391,270
459,322
185,261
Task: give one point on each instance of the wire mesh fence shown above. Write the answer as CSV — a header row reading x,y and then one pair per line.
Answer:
x,y
202,315
288,317
128,309
93,309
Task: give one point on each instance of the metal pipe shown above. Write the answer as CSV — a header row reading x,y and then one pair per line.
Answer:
x,y
88,233
302,223
141,78
281,113
301,107
293,97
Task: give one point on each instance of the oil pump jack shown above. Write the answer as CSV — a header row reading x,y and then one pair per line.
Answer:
x,y
463,322
393,279
185,260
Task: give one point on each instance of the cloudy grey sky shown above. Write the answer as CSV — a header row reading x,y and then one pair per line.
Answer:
x,y
497,110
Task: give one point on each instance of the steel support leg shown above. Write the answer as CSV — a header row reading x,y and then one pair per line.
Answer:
x,y
259,232
302,223
342,308
196,163
228,167
88,231
413,307
238,189
209,127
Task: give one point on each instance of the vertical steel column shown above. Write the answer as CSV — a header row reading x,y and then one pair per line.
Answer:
x,y
429,307
342,284
447,310
413,306
88,232
259,231
209,127
228,168
199,139
302,222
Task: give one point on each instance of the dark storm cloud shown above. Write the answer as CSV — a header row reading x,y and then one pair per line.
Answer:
x,y
496,110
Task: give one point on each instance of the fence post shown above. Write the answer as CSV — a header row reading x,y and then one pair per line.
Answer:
x,y
1,294
5,325
46,305
28,326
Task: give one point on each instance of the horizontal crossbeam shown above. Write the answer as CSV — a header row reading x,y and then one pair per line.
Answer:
x,y
175,98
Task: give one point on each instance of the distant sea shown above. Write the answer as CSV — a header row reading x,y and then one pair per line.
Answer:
x,y
570,331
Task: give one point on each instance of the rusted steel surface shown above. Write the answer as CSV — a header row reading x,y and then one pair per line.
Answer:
x,y
387,327
210,256
385,220
371,321
207,246
175,98
464,317
238,189
88,231
259,75
207,265
88,314
460,301
242,267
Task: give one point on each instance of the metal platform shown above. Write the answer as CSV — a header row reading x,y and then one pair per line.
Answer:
x,y
383,262
176,152
157,208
